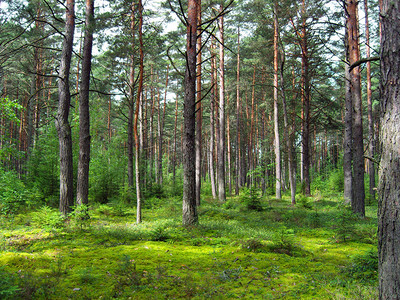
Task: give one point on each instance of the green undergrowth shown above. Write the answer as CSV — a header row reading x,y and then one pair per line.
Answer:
x,y
314,250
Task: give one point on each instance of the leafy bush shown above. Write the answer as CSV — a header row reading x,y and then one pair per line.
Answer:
x,y
251,199
304,201
79,217
48,218
344,226
13,193
8,287
364,267
336,180
283,241
253,245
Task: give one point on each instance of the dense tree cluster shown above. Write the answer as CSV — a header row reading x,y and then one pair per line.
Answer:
x,y
191,95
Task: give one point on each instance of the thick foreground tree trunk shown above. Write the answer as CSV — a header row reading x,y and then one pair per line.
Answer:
x,y
82,191
389,171
62,124
189,216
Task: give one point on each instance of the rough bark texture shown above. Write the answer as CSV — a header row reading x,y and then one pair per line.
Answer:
x,y
221,140
288,138
276,112
371,136
389,170
348,131
135,125
82,191
131,101
358,198
305,96
199,112
212,126
62,124
237,152
189,216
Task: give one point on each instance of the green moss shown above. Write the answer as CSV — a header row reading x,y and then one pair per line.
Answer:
x,y
231,254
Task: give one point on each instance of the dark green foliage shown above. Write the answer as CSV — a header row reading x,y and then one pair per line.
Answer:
x,y
8,286
79,217
159,234
283,241
253,245
364,267
344,224
13,193
48,219
304,201
43,168
251,199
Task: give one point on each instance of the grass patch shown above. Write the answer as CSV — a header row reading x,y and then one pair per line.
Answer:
x,y
280,251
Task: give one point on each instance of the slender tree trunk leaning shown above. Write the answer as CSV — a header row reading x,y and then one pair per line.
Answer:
x,y
199,112
358,198
371,146
276,113
139,95
221,140
389,168
348,131
189,211
82,191
237,150
62,124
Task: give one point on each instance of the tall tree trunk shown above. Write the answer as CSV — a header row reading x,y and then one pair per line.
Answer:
x,y
199,112
389,168
62,123
212,126
189,216
139,96
237,150
358,198
161,134
131,101
221,141
276,113
348,131
371,166
251,136
305,95
228,136
82,191
288,138
174,153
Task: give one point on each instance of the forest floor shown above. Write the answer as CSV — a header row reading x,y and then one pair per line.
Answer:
x,y
314,250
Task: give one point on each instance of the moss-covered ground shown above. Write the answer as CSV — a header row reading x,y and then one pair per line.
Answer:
x,y
314,250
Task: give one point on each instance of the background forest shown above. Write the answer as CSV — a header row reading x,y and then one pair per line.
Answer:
x,y
285,124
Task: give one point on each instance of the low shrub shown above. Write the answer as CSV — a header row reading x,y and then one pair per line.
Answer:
x,y
364,267
48,218
251,199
